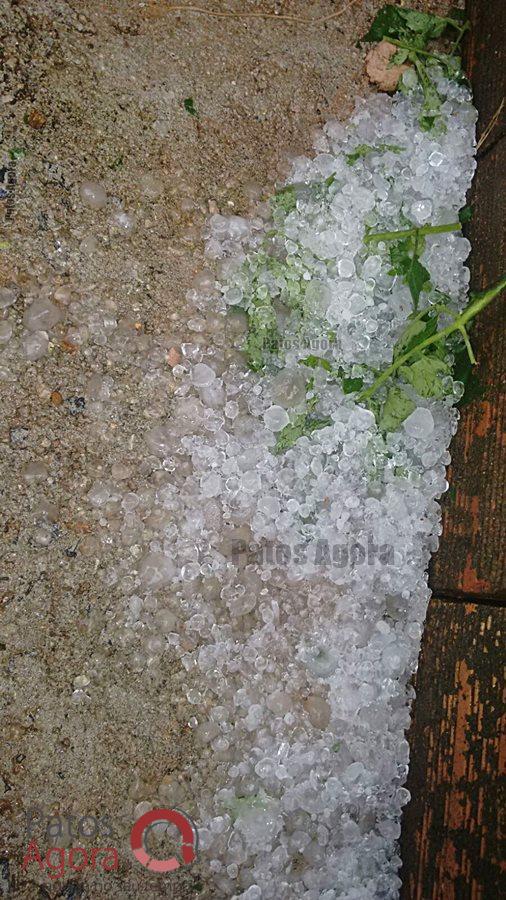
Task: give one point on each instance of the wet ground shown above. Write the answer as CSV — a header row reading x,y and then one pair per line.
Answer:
x,y
176,115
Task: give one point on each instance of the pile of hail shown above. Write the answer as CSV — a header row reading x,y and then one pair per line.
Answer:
x,y
299,470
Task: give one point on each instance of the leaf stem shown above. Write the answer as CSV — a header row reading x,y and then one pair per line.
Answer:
x,y
480,301
414,49
461,32
408,232
467,342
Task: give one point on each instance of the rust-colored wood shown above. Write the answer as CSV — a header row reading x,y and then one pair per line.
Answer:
x,y
470,561
451,827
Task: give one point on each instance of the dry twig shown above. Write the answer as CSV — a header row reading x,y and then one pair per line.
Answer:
x,y
491,125
217,14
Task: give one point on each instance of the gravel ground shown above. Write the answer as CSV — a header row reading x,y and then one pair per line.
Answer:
x,y
96,91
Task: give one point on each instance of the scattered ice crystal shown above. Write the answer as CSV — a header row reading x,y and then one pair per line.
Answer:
x,y
35,345
41,315
92,194
8,297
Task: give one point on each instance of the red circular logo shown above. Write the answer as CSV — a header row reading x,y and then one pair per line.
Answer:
x,y
184,825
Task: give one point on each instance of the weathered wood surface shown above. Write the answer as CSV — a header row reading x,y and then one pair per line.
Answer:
x,y
470,561
451,828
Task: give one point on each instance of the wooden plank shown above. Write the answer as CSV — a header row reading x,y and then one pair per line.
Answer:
x,y
470,561
451,830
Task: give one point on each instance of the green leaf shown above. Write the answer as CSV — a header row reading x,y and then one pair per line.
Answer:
x,y
351,385
416,331
286,198
314,362
417,278
397,407
432,100
425,374
364,150
189,106
465,214
17,153
405,262
393,22
398,58
388,23
426,24
303,425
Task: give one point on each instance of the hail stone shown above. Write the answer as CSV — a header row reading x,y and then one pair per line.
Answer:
x,y
92,194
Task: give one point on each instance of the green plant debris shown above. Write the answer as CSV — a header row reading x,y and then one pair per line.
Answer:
x,y
433,352
397,407
425,375
315,362
303,425
405,259
17,153
465,214
421,363
411,31
417,27
116,163
364,150
349,385
263,335
434,345
189,105
286,198
409,232
242,805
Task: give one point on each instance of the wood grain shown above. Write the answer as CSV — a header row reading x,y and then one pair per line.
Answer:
x,y
470,561
451,827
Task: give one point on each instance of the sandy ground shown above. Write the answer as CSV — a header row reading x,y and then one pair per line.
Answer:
x,y
96,90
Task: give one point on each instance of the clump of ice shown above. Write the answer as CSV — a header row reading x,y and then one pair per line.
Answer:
x,y
292,587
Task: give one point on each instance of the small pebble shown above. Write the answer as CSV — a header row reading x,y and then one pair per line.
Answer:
x,y
36,119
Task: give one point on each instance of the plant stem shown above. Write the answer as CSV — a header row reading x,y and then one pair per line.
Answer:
x,y
413,49
480,301
461,32
409,232
415,254
467,342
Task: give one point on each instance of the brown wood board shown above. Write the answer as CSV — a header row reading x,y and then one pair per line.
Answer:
x,y
451,828
470,561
